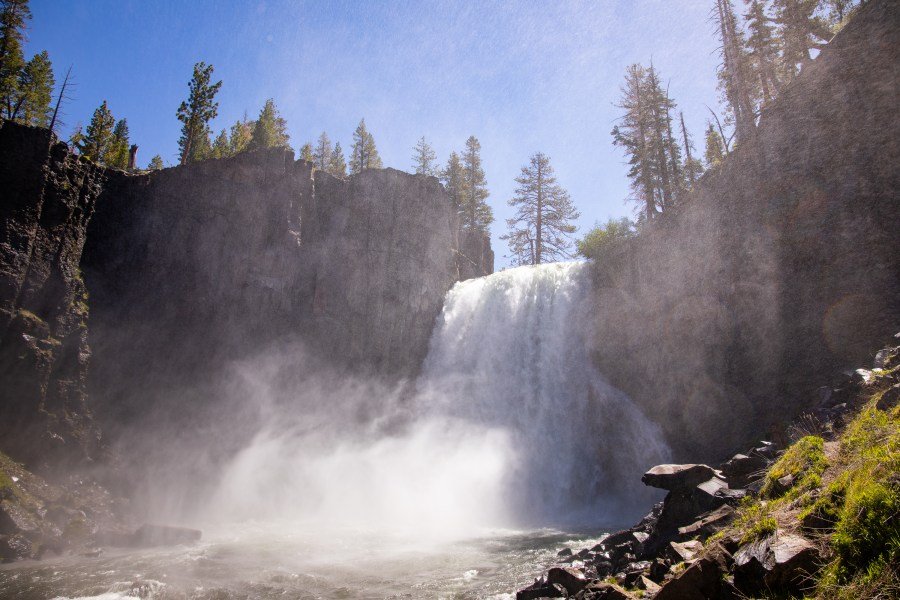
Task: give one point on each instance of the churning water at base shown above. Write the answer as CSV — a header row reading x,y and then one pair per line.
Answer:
x,y
510,430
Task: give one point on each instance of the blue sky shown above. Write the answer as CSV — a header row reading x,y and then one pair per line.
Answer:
x,y
521,76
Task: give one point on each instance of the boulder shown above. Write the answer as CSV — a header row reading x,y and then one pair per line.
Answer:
x,y
677,477
541,590
701,580
600,590
648,585
781,562
573,580
889,398
564,553
683,551
708,523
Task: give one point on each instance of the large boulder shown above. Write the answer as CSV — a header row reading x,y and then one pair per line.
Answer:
x,y
573,580
782,562
677,477
701,580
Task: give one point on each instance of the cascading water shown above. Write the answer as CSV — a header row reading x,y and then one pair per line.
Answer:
x,y
510,351
354,490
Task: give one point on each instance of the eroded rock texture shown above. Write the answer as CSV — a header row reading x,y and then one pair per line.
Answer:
x,y
48,197
784,264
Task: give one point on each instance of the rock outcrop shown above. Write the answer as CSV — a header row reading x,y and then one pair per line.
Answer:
x,y
48,198
782,266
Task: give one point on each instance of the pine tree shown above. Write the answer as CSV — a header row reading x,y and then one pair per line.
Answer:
x,y
733,74
542,227
76,138
98,136
156,163
838,10
14,14
322,152
423,159
799,28
306,152
196,113
363,154
270,129
645,133
453,178
715,147
762,51
116,154
337,166
475,212
693,168
221,147
240,136
35,90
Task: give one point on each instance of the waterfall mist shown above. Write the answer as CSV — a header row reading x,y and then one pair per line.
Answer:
x,y
508,425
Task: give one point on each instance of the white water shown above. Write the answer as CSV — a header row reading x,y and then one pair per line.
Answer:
x,y
510,430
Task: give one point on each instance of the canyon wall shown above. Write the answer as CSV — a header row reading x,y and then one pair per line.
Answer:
x,y
783,264
48,198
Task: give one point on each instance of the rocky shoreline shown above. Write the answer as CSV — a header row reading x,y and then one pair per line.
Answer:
x,y
701,542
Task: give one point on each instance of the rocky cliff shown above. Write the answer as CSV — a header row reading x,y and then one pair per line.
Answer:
x,y
48,198
783,265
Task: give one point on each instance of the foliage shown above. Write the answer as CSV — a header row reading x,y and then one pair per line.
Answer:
x,y
645,134
474,210
452,177
239,137
156,163
363,154
598,241
755,521
14,14
270,129
322,154
35,88
424,159
196,112
221,147
337,166
98,137
715,147
117,153
541,229
306,152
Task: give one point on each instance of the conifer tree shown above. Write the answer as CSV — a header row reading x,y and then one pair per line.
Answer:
x,y
762,51
693,168
196,112
221,147
734,73
156,163
76,138
453,178
270,129
423,158
116,154
475,212
799,30
240,136
715,147
98,136
306,152
322,152
542,227
14,14
363,154
35,90
337,166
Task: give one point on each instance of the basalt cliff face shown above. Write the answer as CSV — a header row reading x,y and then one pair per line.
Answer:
x,y
192,269
48,196
783,265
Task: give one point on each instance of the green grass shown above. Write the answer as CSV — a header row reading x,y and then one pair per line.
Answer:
x,y
804,461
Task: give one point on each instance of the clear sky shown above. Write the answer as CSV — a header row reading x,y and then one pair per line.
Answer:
x,y
521,76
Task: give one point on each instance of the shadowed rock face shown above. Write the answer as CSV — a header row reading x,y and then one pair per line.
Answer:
x,y
48,198
782,266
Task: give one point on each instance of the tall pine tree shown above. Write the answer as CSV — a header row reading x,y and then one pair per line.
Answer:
x,y
117,153
800,30
475,213
239,136
337,166
196,112
762,51
715,147
306,152
98,137
322,152
364,154
542,227
734,73
270,129
453,179
14,14
35,90
423,158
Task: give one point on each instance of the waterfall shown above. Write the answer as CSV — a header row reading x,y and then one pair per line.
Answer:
x,y
510,351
